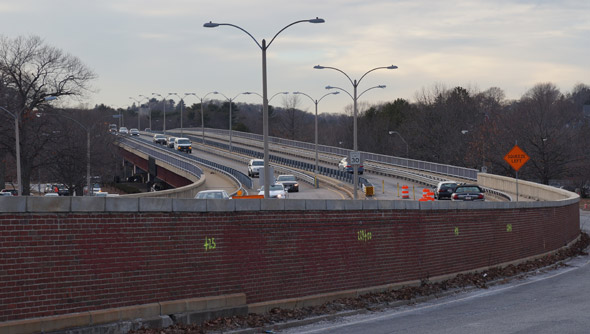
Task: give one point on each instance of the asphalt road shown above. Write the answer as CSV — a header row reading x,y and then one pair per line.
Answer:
x,y
556,301
385,187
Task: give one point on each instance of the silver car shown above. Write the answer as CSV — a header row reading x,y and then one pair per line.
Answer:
x,y
276,190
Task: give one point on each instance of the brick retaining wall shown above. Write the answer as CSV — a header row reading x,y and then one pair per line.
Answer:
x,y
54,263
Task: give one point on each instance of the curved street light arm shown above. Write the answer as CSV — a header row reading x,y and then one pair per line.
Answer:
x,y
316,20
311,98
214,25
253,93
391,67
368,89
342,89
11,114
320,67
331,93
276,95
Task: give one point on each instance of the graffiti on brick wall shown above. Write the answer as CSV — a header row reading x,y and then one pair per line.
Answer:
x,y
209,244
364,236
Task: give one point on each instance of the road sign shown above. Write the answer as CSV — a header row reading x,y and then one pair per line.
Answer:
x,y
516,158
355,158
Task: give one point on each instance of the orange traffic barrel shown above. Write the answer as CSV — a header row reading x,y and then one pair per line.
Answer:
x,y
405,192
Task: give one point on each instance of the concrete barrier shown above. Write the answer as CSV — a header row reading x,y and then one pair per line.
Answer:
x,y
526,189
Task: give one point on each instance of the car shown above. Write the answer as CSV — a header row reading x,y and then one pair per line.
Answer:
x,y
113,128
468,192
344,166
12,192
170,141
123,131
95,189
59,189
183,144
5,193
212,194
159,139
52,195
444,189
289,182
134,132
276,190
147,130
254,167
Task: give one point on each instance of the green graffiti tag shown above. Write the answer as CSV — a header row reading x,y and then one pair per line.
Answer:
x,y
363,235
209,243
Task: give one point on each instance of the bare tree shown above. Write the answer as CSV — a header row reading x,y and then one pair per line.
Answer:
x,y
291,119
30,72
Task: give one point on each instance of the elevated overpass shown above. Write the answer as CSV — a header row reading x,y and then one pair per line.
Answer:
x,y
72,262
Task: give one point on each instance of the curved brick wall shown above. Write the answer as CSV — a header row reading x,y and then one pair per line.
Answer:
x,y
66,255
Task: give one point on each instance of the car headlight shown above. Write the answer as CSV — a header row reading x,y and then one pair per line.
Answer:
x,y
296,185
280,196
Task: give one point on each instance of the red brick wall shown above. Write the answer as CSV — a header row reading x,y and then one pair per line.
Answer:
x,y
63,263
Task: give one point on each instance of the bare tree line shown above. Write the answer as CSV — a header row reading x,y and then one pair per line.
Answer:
x,y
456,126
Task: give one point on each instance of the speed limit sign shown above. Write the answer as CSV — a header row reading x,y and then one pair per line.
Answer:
x,y
355,158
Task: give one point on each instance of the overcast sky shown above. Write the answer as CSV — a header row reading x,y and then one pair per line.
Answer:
x,y
145,46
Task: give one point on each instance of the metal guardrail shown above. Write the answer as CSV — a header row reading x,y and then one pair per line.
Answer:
x,y
452,171
181,164
239,177
301,165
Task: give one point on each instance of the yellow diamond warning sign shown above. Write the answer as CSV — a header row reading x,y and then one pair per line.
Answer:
x,y
516,158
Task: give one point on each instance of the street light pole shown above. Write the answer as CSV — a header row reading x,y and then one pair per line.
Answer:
x,y
316,124
355,97
402,138
149,109
185,95
164,100
230,115
263,48
17,145
202,113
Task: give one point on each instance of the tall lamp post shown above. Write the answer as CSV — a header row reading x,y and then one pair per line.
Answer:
x,y
15,115
139,109
17,139
263,47
230,115
355,97
149,109
164,100
316,123
405,142
181,107
202,113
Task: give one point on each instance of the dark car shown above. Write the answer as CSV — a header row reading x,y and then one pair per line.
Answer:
x,y
468,192
444,189
343,165
159,139
289,182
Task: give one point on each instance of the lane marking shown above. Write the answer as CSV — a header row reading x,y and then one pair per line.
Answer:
x,y
427,307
